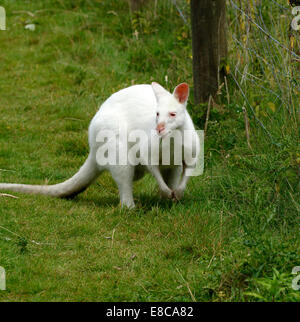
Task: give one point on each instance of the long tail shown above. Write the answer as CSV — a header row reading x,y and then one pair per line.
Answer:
x,y
68,189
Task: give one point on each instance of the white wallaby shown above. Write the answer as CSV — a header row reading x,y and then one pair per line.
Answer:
x,y
149,108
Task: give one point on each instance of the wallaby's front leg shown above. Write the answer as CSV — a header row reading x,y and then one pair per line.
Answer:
x,y
172,177
179,191
165,190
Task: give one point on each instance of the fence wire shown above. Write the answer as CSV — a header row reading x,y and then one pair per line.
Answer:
x,y
264,59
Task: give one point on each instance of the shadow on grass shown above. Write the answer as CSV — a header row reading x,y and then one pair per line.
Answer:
x,y
145,202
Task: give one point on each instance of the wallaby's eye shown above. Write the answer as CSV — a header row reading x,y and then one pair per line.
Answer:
x,y
172,114
157,114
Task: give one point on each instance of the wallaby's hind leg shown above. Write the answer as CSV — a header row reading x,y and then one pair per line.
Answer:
x,y
123,176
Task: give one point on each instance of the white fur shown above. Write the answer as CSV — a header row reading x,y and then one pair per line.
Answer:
x,y
133,108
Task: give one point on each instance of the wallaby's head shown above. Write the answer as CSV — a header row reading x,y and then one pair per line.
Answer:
x,y
170,112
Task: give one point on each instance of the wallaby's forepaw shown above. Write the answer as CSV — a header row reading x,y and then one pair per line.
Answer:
x,y
177,195
167,194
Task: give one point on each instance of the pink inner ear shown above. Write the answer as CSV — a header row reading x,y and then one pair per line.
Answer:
x,y
182,92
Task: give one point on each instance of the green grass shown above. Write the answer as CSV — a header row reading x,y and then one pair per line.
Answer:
x,y
234,236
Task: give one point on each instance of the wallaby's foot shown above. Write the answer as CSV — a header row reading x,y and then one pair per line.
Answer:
x,y
128,204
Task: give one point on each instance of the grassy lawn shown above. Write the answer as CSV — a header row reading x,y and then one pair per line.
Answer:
x,y
234,236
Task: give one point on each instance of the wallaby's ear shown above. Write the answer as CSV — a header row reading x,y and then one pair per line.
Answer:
x,y
181,93
158,90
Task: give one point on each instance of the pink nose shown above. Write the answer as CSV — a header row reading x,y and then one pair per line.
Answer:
x,y
160,127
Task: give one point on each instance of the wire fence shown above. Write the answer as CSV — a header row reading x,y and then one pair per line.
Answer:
x,y
267,61
264,60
